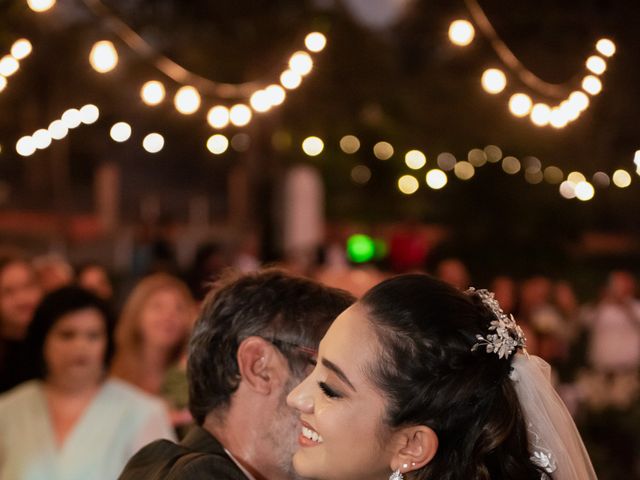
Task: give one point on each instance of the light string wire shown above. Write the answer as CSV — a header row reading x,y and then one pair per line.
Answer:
x,y
509,58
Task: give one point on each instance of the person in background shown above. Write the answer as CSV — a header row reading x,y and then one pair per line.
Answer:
x,y
53,271
20,293
71,422
255,339
94,277
453,272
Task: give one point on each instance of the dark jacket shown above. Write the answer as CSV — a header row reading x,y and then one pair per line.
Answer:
x,y
198,457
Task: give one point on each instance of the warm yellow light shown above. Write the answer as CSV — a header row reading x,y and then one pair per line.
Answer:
x,y
461,33
41,139
301,63
21,48
89,114
25,146
584,191
58,130
218,117
290,79
103,56
383,150
217,144
8,66
533,176
40,5
446,161
3,83
580,100
477,157
596,64
520,104
415,159
493,81
606,47
120,132
275,94
240,115
187,100
72,118
511,165
540,114
312,146
493,153
576,178
349,144
408,184
568,190
553,175
592,85
570,110
153,143
464,170
636,158
360,174
260,102
315,42
621,178
436,179
152,93
558,118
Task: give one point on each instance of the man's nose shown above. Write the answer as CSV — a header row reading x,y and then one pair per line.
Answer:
x,y
300,399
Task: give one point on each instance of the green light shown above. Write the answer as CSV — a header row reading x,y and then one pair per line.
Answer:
x,y
381,248
360,248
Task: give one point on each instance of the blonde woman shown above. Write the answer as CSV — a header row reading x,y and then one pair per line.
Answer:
x,y
152,331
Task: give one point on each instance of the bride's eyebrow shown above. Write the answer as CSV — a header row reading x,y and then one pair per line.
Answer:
x,y
335,369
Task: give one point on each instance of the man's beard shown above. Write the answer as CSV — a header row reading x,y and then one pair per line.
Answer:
x,y
283,433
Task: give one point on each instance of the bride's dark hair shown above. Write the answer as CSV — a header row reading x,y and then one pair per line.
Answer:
x,y
430,376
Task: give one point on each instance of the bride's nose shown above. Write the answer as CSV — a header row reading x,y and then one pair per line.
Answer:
x,y
300,398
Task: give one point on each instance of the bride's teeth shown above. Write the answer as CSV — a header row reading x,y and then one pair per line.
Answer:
x,y
311,435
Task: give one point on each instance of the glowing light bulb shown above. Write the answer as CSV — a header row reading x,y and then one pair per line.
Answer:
x,y
312,146
558,118
152,93
217,144
3,83
606,47
240,115
511,165
301,63
187,100
493,81
568,190
58,130
120,132
89,114
596,64
315,42
103,56
415,159
72,118
8,66
520,104
290,80
592,85
25,146
218,117
580,100
40,5
621,178
436,179
461,33
349,144
260,101
276,94
576,178
464,170
383,150
21,49
540,114
408,184
584,191
153,143
41,139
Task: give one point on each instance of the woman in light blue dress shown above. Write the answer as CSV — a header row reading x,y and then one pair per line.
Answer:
x,y
70,422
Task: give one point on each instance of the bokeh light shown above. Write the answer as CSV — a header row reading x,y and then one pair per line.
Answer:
x,y
568,189
520,104
408,184
461,32
493,81
601,180
312,146
446,161
621,178
240,115
477,157
540,114
349,144
493,153
187,100
436,179
89,114
3,83
361,174
301,63
21,49
315,42
41,5
152,92
553,175
606,47
290,79
464,170
153,143
511,165
584,191
25,146
72,118
383,150
241,142
360,248
579,100
576,178
103,56
218,117
596,64
217,144
275,94
592,85
8,66
415,159
41,139
120,132
58,130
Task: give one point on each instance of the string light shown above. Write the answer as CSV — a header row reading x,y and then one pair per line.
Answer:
x,y
606,47
41,5
383,150
596,64
153,143
540,114
301,63
408,184
461,33
71,118
520,104
494,81
218,117
153,93
58,130
25,146
8,66
3,83
584,191
315,42
312,146
187,100
21,49
259,101
592,85
217,144
103,56
89,114
415,159
120,132
41,139
290,79
621,178
349,144
240,115
436,179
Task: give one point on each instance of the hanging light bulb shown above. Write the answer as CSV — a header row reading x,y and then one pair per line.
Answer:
x,y
120,132
592,85
21,49
153,143
315,42
152,93
520,104
8,66
301,63
290,79
540,114
240,115
103,56
493,81
218,117
260,101
40,5
187,100
461,33
596,64
606,47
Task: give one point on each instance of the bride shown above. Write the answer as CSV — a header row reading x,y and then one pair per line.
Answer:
x,y
418,380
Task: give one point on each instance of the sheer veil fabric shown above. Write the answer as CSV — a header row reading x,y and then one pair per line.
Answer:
x,y
553,437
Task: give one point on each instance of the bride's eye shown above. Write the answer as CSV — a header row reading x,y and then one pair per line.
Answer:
x,y
328,391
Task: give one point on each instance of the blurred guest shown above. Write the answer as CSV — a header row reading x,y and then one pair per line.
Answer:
x,y
19,296
94,277
54,271
209,261
152,331
454,272
506,293
70,422
614,324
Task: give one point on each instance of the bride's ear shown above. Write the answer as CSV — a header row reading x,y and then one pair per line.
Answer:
x,y
414,447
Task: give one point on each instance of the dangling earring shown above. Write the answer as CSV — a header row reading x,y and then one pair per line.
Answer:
x,y
397,475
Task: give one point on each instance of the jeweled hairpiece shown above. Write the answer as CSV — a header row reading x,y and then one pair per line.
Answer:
x,y
508,335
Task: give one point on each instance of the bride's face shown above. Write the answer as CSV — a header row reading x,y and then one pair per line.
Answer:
x,y
342,434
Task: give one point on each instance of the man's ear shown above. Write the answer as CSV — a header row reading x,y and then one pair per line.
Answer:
x,y
257,361
414,447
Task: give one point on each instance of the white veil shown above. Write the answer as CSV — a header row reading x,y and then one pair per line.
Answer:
x,y
554,440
